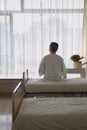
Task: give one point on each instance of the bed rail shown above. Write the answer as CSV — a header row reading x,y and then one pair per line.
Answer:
x,y
25,76
25,79
17,97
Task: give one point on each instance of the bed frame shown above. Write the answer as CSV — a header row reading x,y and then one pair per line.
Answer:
x,y
19,93
56,94
25,76
17,97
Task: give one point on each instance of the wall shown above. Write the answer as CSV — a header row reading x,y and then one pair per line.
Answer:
x,y
8,85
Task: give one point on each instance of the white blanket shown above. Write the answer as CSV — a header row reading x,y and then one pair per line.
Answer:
x,y
68,85
52,114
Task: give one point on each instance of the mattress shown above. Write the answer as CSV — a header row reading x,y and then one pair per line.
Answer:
x,y
68,85
52,114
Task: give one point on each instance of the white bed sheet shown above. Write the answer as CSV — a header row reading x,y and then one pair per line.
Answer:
x,y
52,114
68,85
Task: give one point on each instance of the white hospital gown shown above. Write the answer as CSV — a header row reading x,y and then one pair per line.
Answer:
x,y
52,67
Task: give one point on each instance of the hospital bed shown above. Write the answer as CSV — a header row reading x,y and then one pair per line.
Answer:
x,y
67,87
54,113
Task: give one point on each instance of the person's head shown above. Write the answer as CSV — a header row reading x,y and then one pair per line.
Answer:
x,y
53,47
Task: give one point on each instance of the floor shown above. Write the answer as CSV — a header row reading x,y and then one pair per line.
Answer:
x,y
5,111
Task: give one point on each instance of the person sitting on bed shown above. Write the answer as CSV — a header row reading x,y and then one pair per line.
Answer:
x,y
52,65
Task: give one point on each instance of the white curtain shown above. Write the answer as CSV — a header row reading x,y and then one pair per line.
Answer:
x,y
27,27
85,34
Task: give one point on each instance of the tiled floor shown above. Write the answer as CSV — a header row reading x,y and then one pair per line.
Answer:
x,y
5,111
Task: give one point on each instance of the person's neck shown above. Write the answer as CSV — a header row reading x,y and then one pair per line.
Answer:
x,y
52,53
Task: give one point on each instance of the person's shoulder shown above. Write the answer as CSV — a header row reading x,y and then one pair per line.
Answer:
x,y
46,56
60,57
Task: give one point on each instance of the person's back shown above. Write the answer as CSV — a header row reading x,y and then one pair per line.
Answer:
x,y
52,65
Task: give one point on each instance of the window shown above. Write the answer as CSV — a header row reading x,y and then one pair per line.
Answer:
x,y
27,29
8,5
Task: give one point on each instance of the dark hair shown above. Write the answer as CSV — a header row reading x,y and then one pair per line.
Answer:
x,y
54,46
